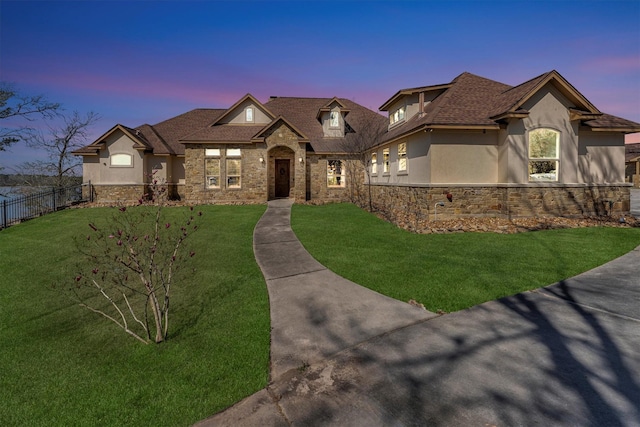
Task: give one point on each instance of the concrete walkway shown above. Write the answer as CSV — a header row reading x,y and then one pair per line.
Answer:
x,y
314,312
566,354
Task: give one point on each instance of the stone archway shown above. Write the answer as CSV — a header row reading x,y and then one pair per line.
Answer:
x,y
281,172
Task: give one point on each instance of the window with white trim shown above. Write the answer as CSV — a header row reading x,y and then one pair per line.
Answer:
x,y
402,157
234,168
397,115
374,163
121,160
212,167
248,115
385,160
544,155
335,173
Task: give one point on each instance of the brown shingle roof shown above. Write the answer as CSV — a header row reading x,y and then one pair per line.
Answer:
x,y
631,151
302,112
172,130
474,101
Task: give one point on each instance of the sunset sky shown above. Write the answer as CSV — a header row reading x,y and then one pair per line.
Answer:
x,y
136,62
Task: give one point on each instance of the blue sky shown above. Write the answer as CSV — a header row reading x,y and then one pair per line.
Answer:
x,y
136,62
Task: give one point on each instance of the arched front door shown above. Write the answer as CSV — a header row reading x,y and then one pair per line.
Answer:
x,y
282,177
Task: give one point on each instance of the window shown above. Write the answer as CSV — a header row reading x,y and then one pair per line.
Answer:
x,y
385,160
374,163
212,167
334,119
402,156
121,160
544,148
335,173
234,165
397,115
248,114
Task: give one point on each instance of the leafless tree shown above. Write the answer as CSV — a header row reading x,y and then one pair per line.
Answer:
x,y
23,109
131,263
363,133
59,142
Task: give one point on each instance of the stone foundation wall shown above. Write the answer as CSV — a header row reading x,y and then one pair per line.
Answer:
x,y
114,194
411,207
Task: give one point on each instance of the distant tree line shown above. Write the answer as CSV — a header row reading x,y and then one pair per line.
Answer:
x,y
19,180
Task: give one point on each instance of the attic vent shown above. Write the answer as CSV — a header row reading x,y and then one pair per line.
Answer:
x,y
273,97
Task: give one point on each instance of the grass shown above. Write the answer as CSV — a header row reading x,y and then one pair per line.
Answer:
x,y
63,365
450,272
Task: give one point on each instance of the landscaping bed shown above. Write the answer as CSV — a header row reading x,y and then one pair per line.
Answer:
x,y
520,225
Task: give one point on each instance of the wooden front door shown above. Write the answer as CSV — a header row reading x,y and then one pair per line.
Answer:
x,y
282,177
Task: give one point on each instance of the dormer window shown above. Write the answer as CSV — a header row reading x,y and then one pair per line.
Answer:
x,y
397,115
248,115
334,120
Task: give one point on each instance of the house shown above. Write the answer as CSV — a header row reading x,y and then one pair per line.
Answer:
x,y
477,147
632,164
249,153
470,147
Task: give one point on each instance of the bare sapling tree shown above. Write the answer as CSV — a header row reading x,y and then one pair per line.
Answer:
x,y
366,133
131,263
19,110
59,142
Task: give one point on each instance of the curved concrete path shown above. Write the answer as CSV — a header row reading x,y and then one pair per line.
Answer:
x,y
563,355
314,312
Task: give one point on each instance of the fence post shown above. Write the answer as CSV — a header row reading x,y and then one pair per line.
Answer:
x,y
53,193
4,213
90,192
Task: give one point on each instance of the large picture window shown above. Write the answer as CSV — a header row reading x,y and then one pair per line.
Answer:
x,y
234,168
335,173
544,155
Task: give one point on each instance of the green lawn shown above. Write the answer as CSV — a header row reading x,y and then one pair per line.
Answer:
x,y
63,365
450,272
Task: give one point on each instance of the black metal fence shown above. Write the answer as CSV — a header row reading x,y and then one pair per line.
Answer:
x,y
22,208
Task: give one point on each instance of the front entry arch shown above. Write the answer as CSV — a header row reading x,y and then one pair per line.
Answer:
x,y
282,176
281,172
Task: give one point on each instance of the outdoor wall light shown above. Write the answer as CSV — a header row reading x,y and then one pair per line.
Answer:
x,y
261,159
301,160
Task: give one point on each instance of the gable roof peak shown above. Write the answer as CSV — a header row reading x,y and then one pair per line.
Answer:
x,y
250,97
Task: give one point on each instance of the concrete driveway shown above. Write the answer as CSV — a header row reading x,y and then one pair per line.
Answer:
x,y
564,355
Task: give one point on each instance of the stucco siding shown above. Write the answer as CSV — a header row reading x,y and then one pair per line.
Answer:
x,y
177,170
238,115
119,143
328,130
548,108
459,164
464,157
601,157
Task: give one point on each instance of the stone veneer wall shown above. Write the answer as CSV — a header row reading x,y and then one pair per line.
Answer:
x,y
110,194
253,182
284,143
411,207
317,189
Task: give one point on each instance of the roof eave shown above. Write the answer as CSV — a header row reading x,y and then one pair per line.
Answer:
x,y
404,92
